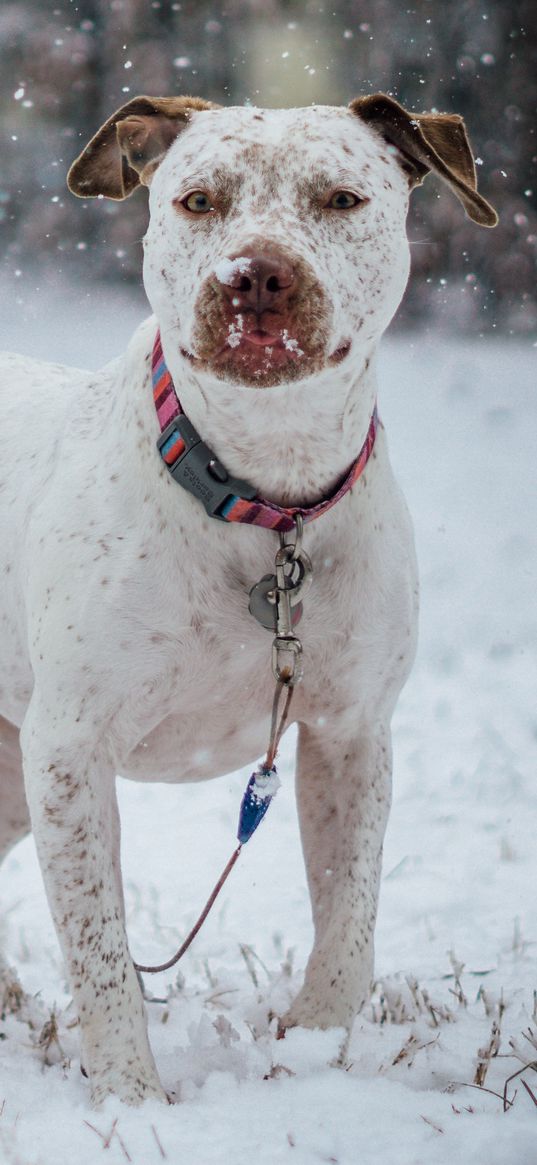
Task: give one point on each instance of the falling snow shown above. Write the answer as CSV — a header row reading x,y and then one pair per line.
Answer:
x,y
459,863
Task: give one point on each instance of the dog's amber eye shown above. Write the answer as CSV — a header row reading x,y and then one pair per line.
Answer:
x,y
198,202
343,200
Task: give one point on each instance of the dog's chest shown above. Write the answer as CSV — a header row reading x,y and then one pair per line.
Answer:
x,y
212,701
205,707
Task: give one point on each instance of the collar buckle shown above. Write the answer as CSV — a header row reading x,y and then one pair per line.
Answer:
x,y
194,465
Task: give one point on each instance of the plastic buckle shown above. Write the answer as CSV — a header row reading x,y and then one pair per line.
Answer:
x,y
200,472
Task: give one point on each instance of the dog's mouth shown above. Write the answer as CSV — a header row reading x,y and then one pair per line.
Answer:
x,y
263,356
340,353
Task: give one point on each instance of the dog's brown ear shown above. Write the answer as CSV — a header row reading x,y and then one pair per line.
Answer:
x,y
129,146
429,141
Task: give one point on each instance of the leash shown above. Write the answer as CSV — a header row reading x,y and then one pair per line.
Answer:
x,y
275,601
264,782
254,805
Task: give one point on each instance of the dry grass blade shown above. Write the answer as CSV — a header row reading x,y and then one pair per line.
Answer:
x,y
433,1011
277,1070
210,977
49,1039
217,998
486,1054
11,995
227,1034
407,1051
493,1007
436,1128
106,1138
520,1052
259,960
519,945
531,1037
248,957
397,1005
411,1047
457,968
514,1075
528,1089
288,963
491,1092
159,1143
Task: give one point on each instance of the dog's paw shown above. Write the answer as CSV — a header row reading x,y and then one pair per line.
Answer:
x,y
332,1035
130,1087
310,1010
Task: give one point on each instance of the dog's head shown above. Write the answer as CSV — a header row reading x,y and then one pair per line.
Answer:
x,y
276,245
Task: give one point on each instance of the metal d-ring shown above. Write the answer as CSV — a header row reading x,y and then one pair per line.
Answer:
x,y
297,545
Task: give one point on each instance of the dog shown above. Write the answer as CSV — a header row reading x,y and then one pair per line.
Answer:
x,y
275,257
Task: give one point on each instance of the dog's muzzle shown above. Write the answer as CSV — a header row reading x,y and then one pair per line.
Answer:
x,y
262,318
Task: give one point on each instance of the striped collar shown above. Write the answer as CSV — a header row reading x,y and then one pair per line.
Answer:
x,y
193,464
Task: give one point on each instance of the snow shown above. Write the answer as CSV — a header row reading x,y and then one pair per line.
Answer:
x,y
457,925
226,269
235,331
266,784
291,344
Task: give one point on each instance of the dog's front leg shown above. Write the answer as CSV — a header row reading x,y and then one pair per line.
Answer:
x,y
71,794
343,790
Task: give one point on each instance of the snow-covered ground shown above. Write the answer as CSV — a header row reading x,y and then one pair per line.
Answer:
x,y
457,929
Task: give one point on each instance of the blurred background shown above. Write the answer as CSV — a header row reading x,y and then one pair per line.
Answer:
x,y
66,66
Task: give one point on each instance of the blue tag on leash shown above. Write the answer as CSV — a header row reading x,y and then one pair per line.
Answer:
x,y
261,788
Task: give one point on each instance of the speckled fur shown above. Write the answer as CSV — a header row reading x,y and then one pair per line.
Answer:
x,y
126,644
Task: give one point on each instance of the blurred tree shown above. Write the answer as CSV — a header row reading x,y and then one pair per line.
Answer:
x,y
66,66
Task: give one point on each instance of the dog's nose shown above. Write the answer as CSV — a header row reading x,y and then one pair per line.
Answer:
x,y
257,282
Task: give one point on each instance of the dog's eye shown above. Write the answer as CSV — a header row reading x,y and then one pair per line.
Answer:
x,y
343,200
198,202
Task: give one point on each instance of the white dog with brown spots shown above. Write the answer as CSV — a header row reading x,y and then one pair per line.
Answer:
x,y
275,257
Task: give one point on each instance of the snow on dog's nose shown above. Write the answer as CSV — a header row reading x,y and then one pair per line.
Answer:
x,y
258,282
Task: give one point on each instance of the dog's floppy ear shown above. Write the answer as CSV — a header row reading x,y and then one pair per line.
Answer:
x,y
129,146
429,141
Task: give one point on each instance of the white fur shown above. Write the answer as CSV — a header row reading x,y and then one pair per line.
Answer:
x,y
126,644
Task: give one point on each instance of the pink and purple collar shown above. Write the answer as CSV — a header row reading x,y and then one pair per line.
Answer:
x,y
193,464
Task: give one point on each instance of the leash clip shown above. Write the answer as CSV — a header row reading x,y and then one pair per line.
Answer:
x,y
286,646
